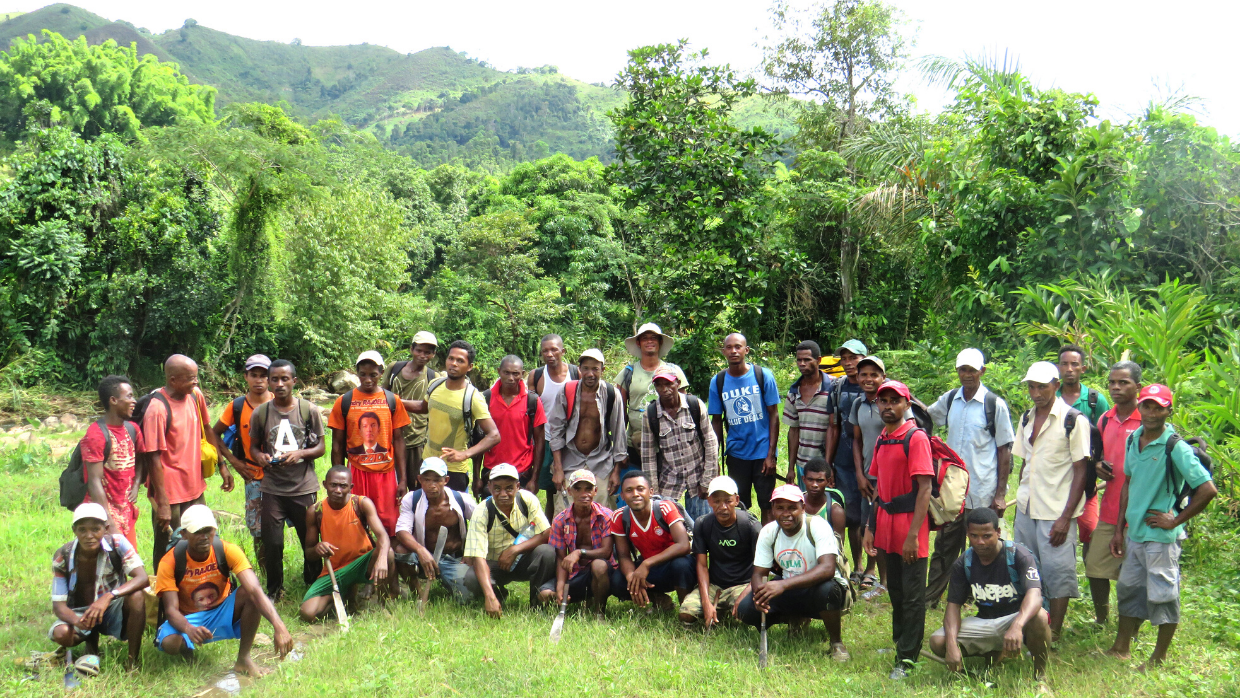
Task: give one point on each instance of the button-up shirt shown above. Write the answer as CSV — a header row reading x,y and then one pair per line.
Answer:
x,y
64,572
1046,477
688,456
563,535
968,436
811,418
562,429
488,544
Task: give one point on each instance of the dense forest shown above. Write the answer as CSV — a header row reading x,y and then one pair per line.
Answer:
x,y
141,216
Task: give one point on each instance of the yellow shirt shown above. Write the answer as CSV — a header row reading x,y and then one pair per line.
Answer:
x,y
480,542
446,423
1046,477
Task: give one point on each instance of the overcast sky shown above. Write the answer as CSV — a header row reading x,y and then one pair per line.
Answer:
x,y
1126,53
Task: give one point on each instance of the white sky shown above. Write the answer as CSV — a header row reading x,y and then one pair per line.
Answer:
x,y
1126,53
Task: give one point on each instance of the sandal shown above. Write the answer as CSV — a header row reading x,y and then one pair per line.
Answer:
x,y
868,580
874,593
87,665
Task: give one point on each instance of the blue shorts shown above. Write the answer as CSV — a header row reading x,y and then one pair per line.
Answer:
x,y
218,620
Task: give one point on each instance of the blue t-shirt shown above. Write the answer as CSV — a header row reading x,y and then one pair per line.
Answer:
x,y
848,393
749,436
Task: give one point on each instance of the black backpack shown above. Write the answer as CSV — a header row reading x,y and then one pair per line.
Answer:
x,y
73,479
573,374
990,403
626,516
1183,494
180,555
140,407
531,411
400,366
652,423
1095,443
493,512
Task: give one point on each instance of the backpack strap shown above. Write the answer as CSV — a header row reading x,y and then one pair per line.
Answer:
x,y
345,401
107,438
221,561
237,405
493,511
391,401
1069,422
610,398
1103,421
1091,399
990,403
951,400
179,553
396,368
357,510
761,378
538,374
626,377
1172,441
652,421
159,394
570,397
303,408
968,564
467,407
131,429
719,390
1009,551
626,520
435,384
657,511
695,411
809,530
531,411
575,374
261,412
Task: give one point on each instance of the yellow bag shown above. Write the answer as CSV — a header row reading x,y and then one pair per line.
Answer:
x,y
210,456
831,366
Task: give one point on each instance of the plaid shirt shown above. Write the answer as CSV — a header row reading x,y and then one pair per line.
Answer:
x,y
564,531
64,576
480,542
684,460
812,419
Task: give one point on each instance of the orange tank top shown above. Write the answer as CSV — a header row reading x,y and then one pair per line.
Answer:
x,y
343,529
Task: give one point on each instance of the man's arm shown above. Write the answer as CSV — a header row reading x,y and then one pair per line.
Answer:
x,y
155,489
603,552
382,542
1059,529
624,553
1003,458
757,583
339,445
772,447
833,438
863,482
94,487
794,445
1117,539
249,581
919,516
490,440
490,602
716,424
398,460
540,445
951,631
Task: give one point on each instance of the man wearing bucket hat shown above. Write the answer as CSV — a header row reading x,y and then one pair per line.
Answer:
x,y
586,429
648,347
408,380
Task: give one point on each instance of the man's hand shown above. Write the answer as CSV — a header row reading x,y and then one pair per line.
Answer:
x,y
954,661
1159,519
1059,531
163,516
507,557
202,636
325,549
262,459
226,478
768,465
531,486
710,614
451,455
491,605
561,592
133,491
613,481
702,493
570,560
380,571
638,584
476,487
283,641
910,550
867,543
762,597
865,486
429,567
94,613
1106,471
999,505
557,480
1013,638
736,607
401,490
1117,543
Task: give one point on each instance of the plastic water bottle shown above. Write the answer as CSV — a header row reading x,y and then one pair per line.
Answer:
x,y
523,535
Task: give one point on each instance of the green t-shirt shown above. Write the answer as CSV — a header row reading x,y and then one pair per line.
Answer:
x,y
642,393
1146,470
1082,404
414,389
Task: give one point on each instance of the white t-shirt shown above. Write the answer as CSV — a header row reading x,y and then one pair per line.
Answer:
x,y
551,389
795,555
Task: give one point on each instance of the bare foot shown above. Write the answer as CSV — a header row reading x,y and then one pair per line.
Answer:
x,y
248,667
1149,664
1117,654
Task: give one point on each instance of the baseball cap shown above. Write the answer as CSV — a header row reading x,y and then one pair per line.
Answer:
x,y
257,361
853,345
505,470
197,517
724,484
425,337
1041,372
436,465
1157,392
582,475
371,355
790,493
89,510
900,389
667,376
873,360
970,357
592,354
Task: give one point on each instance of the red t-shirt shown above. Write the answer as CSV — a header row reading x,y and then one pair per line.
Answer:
x,y
118,473
513,422
1114,446
653,539
895,477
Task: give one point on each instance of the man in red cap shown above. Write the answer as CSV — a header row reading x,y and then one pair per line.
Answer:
x,y
898,529
1159,466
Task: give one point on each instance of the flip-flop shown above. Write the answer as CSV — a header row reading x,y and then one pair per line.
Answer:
x,y
868,580
87,664
874,593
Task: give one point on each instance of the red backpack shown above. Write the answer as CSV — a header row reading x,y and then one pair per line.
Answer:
x,y
950,483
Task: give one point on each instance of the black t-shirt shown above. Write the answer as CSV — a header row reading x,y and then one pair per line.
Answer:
x,y
991,587
844,451
730,550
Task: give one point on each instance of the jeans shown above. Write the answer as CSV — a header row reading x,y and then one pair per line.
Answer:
x,y
276,510
677,573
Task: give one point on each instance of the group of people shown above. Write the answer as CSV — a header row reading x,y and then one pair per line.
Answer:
x,y
433,479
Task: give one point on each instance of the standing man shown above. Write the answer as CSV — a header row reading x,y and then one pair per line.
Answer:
x,y
548,382
519,417
679,451
365,424
805,410
581,537
652,547
1093,404
839,450
1053,443
586,429
898,529
1160,467
749,398
979,429
447,431
173,429
113,470
422,513
408,381
636,382
723,550
286,438
1101,567
237,418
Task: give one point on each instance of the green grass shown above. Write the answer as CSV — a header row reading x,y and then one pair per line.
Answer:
x,y
458,651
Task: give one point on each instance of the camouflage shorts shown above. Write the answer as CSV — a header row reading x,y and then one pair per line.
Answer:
x,y
728,598
253,502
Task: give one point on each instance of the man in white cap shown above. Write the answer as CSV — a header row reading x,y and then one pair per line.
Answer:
x,y
1052,442
586,429
979,428
723,550
580,535
423,512
636,380
366,423
97,583
233,428
195,588
408,380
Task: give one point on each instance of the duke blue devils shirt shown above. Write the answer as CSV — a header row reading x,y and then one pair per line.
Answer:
x,y
991,587
743,406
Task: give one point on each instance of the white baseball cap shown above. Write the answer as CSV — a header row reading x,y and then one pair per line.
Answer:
x,y
723,483
1041,372
970,357
505,470
371,355
425,337
436,465
592,354
198,517
89,510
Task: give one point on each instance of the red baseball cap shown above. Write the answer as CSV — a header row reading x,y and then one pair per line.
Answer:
x,y
900,388
667,376
1156,392
792,493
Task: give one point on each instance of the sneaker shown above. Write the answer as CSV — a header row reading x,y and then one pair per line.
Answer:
x,y
839,652
899,673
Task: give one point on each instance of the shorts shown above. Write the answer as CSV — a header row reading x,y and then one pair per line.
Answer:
x,y
727,600
1099,562
677,573
1056,565
1088,520
1149,582
112,624
218,620
578,585
979,636
253,508
348,576
846,483
451,574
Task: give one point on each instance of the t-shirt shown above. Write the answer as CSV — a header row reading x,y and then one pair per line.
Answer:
x,y
1114,448
1082,404
285,432
1147,483
198,574
730,550
653,539
118,473
743,406
414,389
446,425
848,391
179,443
895,477
370,450
864,414
515,446
243,432
992,587
795,555
642,393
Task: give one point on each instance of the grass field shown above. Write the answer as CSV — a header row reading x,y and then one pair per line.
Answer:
x,y
457,651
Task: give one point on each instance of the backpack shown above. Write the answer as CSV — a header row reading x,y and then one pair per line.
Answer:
x,y
990,403
73,479
949,486
1009,552
180,555
493,511
1095,442
472,435
357,509
626,516
830,365
232,435
695,411
1184,494
531,411
400,366
143,403
573,374
570,396
303,407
